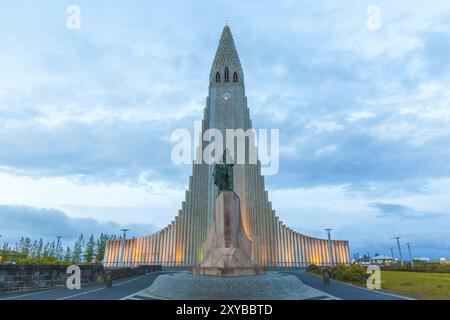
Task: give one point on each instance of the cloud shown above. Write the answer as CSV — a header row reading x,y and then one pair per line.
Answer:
x,y
18,221
354,216
360,111
388,210
358,115
127,87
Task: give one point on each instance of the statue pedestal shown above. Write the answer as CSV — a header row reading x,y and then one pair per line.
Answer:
x,y
227,247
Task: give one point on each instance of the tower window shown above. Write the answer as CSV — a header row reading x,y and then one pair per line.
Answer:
x,y
235,77
227,75
217,77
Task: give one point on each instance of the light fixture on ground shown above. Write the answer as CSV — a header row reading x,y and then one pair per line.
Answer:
x,y
123,245
399,249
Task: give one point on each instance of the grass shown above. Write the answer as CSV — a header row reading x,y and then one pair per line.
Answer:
x,y
419,285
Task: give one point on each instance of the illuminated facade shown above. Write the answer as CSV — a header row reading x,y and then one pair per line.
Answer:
x,y
181,242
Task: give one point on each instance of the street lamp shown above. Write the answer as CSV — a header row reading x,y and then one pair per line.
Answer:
x,y
399,250
410,256
123,245
58,244
329,247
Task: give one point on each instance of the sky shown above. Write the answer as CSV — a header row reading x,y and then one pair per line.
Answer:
x,y
86,114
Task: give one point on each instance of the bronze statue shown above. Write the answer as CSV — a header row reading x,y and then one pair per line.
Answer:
x,y
223,175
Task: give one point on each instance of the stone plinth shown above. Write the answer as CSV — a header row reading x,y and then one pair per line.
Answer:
x,y
226,272
227,247
271,286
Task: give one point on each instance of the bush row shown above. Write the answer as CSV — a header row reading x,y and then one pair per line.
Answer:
x,y
420,267
354,273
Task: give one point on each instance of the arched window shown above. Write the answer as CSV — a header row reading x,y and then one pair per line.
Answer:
x,y
217,77
235,77
227,75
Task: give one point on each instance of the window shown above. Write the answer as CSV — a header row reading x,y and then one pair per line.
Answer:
x,y
235,77
217,77
227,76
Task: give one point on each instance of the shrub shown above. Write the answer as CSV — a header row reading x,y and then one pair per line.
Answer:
x,y
46,260
354,273
312,268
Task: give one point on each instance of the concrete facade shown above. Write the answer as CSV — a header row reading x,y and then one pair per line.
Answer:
x,y
181,242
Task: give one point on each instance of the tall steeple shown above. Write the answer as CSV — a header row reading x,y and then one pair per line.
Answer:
x,y
226,58
181,243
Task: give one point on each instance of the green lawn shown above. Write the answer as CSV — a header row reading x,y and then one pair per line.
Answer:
x,y
419,285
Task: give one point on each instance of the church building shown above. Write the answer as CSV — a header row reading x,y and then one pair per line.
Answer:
x,y
180,244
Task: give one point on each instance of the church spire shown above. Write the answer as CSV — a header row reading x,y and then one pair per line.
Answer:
x,y
226,67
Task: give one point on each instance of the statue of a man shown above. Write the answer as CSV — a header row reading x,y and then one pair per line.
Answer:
x,y
223,175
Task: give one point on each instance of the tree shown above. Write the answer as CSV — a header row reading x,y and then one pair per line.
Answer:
x,y
101,246
49,249
78,249
46,250
89,249
39,247
23,247
59,250
4,252
33,253
68,254
26,247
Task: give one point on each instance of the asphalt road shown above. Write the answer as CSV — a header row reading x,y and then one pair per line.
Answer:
x,y
119,290
131,286
341,290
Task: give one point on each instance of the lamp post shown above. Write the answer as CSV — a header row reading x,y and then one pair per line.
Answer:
x,y
123,245
410,256
329,247
58,245
399,250
1,249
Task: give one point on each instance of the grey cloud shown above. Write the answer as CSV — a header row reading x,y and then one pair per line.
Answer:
x,y
388,210
426,241
17,221
325,82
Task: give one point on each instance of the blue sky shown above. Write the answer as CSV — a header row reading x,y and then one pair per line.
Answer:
x,y
364,115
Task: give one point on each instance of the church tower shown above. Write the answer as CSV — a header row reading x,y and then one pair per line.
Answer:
x,y
181,242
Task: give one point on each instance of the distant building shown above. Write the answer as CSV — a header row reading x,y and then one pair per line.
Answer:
x,y
423,259
364,260
383,260
380,260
